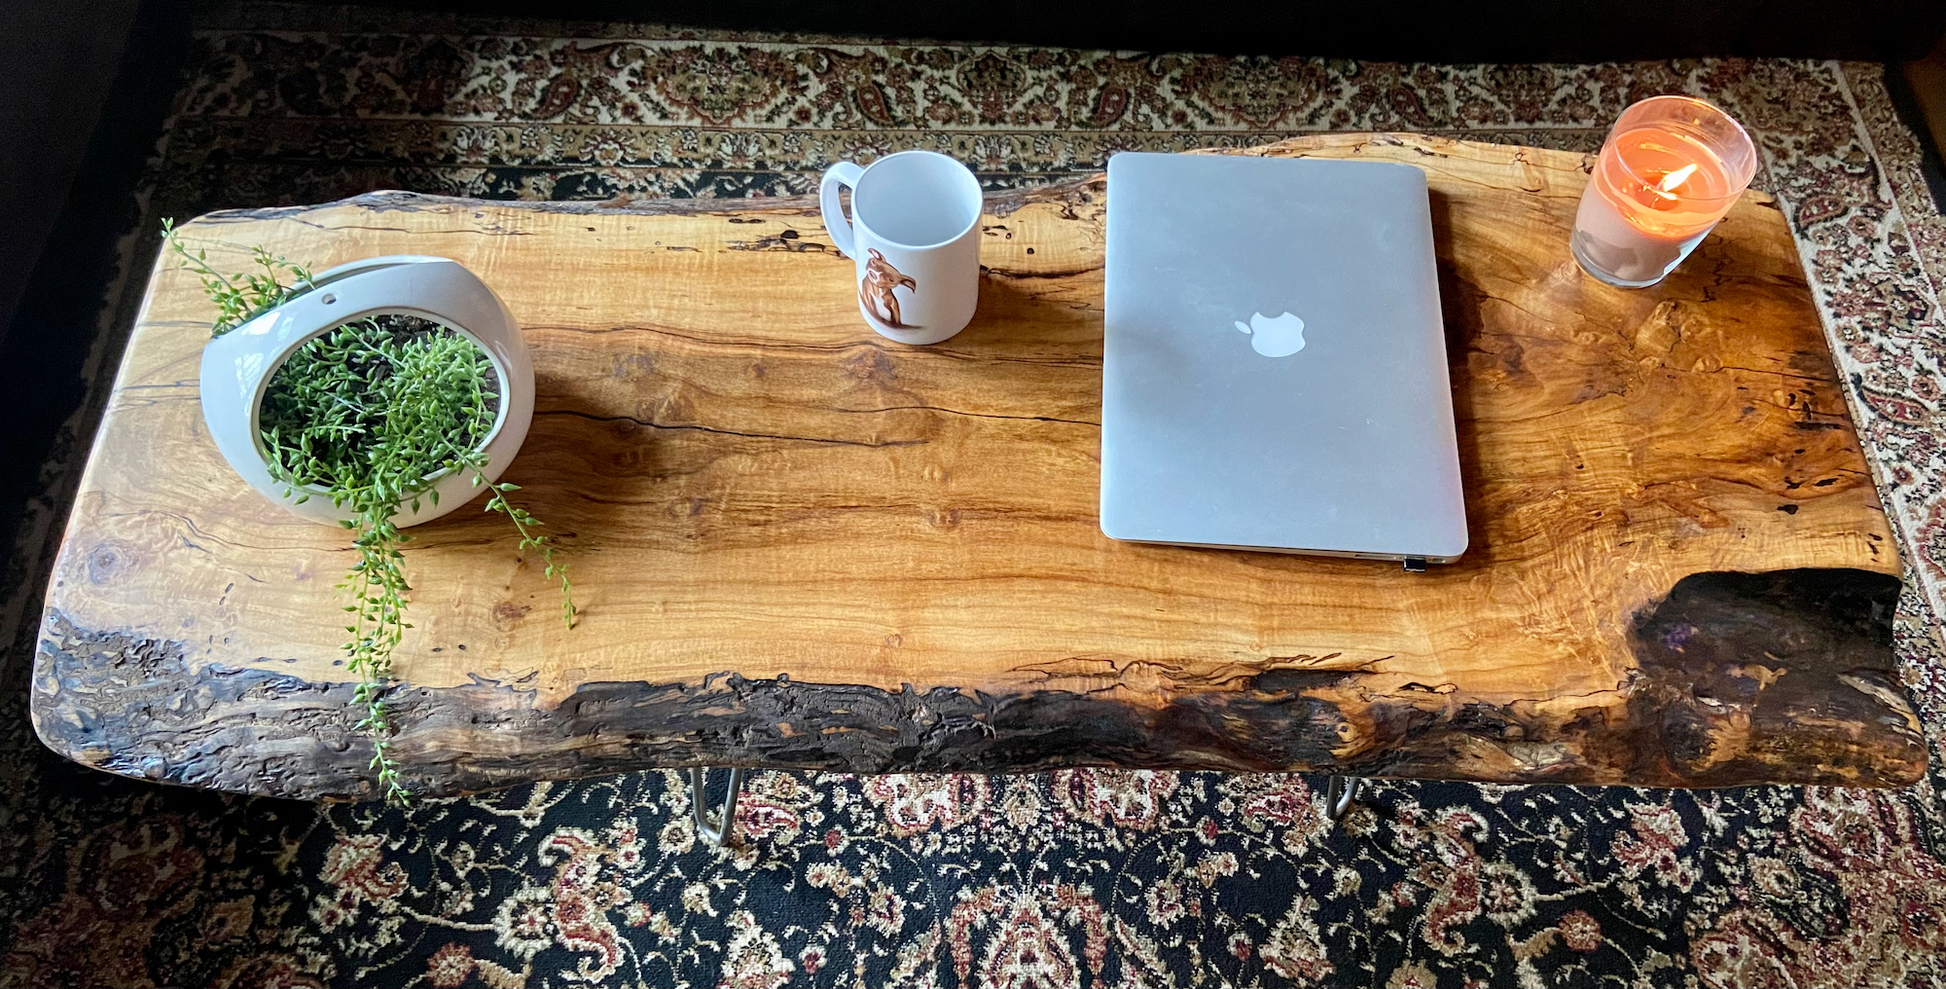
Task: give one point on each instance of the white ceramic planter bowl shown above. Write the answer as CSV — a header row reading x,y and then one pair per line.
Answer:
x,y
237,367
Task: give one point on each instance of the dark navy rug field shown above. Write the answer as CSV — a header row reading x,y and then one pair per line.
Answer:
x,y
1077,878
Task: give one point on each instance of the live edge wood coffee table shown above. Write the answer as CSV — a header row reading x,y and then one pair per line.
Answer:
x,y
800,545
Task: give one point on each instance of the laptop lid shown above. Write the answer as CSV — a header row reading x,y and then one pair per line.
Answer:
x,y
1274,373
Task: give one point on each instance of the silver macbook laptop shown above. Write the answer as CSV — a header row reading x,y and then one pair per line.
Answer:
x,y
1275,367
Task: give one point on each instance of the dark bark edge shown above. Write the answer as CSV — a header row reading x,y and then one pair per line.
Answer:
x,y
1782,677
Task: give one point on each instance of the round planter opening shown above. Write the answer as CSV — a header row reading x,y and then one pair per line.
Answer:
x,y
430,324
238,366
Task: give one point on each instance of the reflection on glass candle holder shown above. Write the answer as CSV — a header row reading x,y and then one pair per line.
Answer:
x,y
1671,167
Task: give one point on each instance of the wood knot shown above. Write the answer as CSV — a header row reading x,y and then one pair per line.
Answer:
x,y
506,614
871,365
106,561
625,366
1659,334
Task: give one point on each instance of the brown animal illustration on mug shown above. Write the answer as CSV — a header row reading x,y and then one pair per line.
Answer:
x,y
875,289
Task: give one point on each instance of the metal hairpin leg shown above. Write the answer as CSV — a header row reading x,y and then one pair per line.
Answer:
x,y
1339,792
719,832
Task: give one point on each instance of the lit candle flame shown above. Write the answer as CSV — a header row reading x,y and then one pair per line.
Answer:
x,y
1667,187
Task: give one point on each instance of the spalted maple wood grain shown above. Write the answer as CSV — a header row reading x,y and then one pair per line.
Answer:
x,y
800,545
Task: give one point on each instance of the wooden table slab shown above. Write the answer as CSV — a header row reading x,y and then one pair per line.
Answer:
x,y
800,545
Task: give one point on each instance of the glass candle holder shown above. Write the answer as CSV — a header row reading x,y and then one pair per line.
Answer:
x,y
1671,167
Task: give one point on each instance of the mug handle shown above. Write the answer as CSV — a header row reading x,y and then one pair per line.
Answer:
x,y
844,173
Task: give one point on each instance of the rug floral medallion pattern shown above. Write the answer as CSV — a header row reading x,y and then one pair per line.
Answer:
x,y
1075,878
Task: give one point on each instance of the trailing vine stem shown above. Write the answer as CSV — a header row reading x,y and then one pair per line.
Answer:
x,y
524,523
245,295
371,414
377,585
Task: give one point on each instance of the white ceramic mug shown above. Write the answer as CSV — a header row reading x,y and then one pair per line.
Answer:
x,y
914,235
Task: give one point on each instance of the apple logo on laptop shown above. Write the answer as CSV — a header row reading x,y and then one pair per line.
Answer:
x,y
1274,336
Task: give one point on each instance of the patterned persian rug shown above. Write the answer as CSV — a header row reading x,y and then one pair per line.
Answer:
x,y
1080,878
